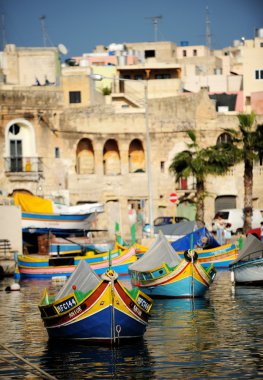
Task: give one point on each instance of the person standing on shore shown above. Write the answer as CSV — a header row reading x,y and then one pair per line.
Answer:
x,y
261,231
227,233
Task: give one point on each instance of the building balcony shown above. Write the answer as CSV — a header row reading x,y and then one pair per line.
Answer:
x,y
23,168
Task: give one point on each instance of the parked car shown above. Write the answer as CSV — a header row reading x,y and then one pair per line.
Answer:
x,y
163,220
235,217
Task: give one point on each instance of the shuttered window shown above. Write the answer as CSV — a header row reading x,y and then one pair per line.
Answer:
x,y
225,202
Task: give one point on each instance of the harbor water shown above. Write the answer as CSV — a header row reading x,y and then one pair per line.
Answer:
x,y
217,337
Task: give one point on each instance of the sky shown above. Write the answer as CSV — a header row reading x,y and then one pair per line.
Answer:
x,y
81,25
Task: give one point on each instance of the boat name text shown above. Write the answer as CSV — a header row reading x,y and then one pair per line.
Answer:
x,y
75,312
66,305
143,303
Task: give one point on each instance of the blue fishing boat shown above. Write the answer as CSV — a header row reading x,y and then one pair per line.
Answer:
x,y
161,272
207,248
93,308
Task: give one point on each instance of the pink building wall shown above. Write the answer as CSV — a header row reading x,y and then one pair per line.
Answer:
x,y
257,102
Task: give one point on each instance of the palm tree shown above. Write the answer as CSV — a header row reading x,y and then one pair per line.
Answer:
x,y
199,163
248,139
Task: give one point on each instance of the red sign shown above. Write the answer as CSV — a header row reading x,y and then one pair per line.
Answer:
x,y
173,197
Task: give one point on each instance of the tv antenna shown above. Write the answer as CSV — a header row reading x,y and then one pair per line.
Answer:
x,y
44,30
208,35
3,31
155,20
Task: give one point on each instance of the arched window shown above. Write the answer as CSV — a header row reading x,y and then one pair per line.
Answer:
x,y
136,157
20,147
111,158
224,138
85,157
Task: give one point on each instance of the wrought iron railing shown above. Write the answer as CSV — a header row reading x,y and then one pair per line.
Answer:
x,y
23,165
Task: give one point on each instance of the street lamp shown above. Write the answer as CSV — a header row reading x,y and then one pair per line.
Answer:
x,y
99,77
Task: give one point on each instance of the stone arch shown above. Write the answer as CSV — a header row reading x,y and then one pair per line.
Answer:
x,y
224,138
136,156
111,158
85,161
20,146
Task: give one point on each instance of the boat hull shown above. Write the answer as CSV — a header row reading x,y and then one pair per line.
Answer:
x,y
56,222
66,248
220,257
38,266
248,272
108,314
187,280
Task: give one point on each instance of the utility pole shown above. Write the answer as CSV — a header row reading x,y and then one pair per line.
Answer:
x,y
155,20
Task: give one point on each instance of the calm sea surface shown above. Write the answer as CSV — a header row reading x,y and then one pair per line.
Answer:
x,y
218,337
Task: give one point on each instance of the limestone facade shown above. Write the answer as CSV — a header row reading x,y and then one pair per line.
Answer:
x,y
68,142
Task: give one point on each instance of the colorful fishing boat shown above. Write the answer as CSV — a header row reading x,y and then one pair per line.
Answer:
x,y
78,245
207,248
42,215
247,269
161,272
95,309
46,266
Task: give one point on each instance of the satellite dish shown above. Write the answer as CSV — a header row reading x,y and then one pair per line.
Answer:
x,y
62,49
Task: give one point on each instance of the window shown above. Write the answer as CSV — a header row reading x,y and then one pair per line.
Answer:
x,y
20,148
149,53
248,101
183,184
184,53
259,74
162,76
16,157
162,166
224,138
194,52
14,129
75,97
57,152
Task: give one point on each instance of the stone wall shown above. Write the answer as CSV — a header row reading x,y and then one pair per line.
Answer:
x,y
169,120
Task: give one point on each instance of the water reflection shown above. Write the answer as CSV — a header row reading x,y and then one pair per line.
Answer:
x,y
80,361
219,336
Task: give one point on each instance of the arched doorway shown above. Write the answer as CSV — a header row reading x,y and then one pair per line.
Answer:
x,y
136,157
85,157
111,158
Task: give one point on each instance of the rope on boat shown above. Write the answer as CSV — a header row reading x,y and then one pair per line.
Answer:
x,y
110,275
45,374
113,309
192,264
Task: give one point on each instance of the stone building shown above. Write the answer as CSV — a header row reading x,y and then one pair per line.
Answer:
x,y
69,142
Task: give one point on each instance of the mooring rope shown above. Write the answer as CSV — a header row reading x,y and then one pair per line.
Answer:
x,y
45,374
